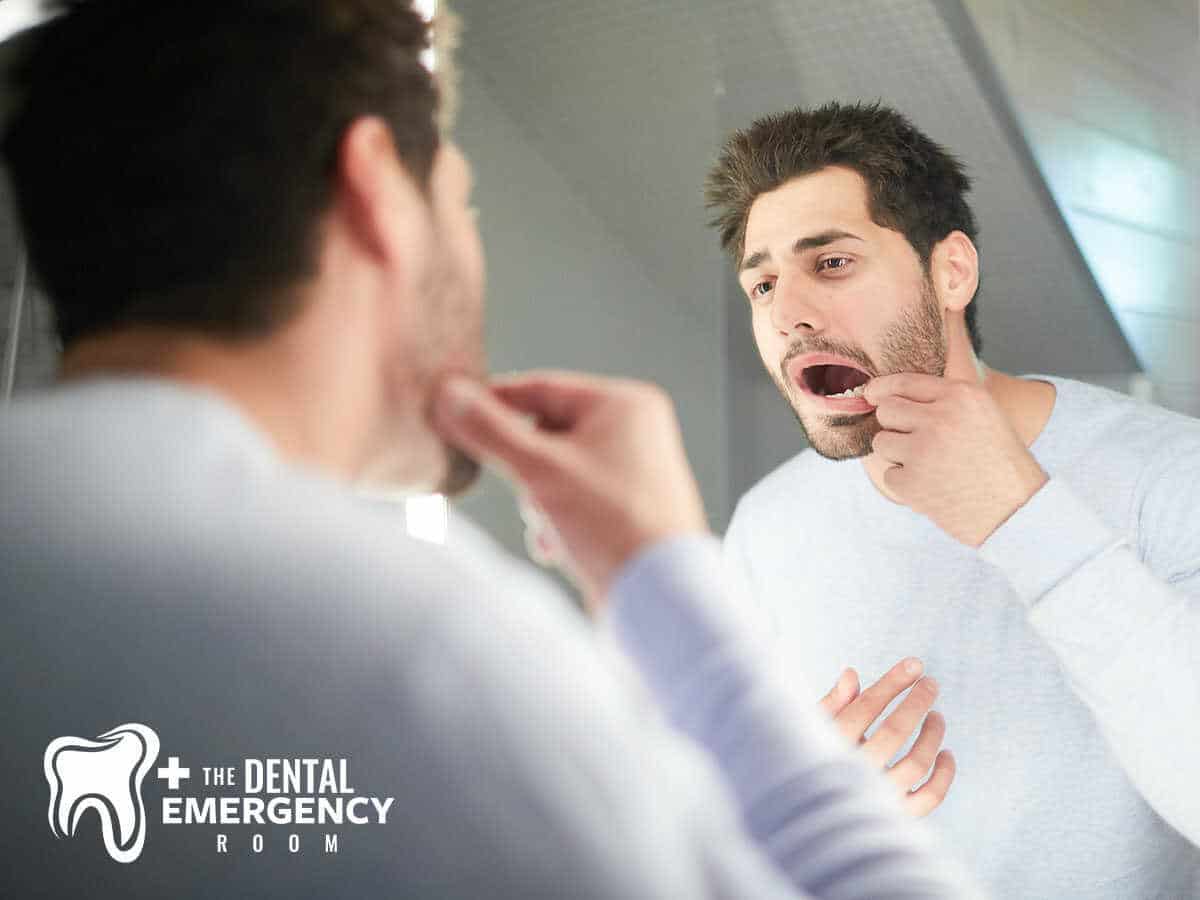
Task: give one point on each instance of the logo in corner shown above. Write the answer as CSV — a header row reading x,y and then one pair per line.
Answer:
x,y
104,774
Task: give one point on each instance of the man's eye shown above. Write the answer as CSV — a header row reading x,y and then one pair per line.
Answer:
x,y
833,262
761,289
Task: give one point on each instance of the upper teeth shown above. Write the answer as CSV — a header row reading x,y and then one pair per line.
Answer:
x,y
851,392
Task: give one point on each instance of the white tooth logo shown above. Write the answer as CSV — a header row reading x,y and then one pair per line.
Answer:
x,y
106,775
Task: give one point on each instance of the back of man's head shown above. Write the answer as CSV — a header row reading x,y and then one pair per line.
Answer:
x,y
172,158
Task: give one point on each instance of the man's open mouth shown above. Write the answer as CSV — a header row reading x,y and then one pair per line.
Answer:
x,y
835,380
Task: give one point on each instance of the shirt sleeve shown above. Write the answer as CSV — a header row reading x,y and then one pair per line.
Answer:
x,y
1128,640
523,772
825,819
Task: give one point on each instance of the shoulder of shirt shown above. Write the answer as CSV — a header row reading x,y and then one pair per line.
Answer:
x,y
1139,465
1108,428
193,482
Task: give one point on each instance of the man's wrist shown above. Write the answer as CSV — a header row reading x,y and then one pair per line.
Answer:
x,y
1046,539
1032,481
668,601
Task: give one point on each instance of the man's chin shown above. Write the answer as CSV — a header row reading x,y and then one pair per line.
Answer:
x,y
842,437
460,475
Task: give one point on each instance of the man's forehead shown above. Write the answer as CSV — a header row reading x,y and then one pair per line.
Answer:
x,y
833,198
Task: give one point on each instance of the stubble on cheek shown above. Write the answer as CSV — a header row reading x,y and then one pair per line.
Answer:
x,y
915,342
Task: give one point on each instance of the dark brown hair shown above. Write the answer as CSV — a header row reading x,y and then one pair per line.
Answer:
x,y
172,159
914,185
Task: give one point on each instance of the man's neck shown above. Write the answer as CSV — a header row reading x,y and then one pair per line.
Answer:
x,y
308,416
1026,404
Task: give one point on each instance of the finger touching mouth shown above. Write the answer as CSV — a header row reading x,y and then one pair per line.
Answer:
x,y
835,381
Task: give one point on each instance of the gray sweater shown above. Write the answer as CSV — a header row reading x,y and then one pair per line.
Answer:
x,y
179,602
1067,649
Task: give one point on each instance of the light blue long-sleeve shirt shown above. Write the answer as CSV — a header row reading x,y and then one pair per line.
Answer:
x,y
161,565
1067,649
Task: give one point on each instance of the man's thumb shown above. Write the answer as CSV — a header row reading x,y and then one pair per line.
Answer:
x,y
469,416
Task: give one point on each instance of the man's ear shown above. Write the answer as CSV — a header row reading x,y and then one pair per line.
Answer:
x,y
954,268
374,194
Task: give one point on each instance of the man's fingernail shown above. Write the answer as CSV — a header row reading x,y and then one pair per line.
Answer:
x,y
458,395
912,666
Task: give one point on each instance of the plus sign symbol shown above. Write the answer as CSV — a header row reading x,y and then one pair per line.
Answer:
x,y
172,773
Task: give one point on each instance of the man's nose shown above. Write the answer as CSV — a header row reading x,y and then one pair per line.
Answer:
x,y
793,309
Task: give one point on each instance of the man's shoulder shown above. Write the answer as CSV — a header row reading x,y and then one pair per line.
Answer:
x,y
1108,408
1138,466
161,493
1106,429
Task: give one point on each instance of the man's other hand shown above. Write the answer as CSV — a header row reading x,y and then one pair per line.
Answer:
x,y
854,711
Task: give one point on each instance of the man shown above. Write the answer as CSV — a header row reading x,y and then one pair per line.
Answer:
x,y
269,285
1036,541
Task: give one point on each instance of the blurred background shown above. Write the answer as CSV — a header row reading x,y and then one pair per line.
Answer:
x,y
591,126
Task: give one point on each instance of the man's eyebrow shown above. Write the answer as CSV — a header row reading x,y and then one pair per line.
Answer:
x,y
754,260
758,257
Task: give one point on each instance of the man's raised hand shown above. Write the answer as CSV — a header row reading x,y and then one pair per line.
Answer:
x,y
954,456
601,458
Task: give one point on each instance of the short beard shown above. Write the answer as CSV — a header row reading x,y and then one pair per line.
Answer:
x,y
462,471
915,342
